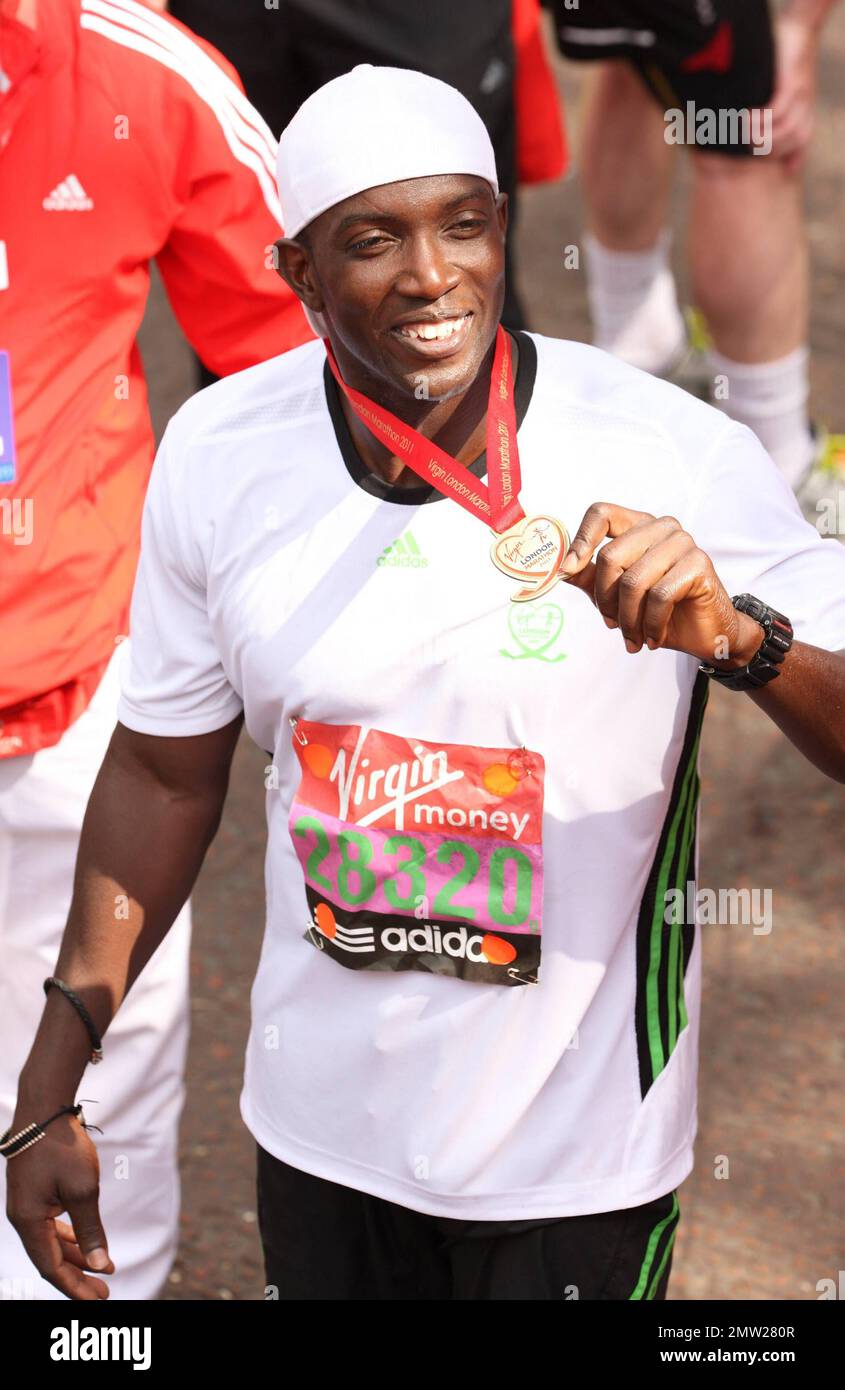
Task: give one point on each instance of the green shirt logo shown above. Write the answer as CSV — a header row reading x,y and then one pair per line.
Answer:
x,y
403,552
534,627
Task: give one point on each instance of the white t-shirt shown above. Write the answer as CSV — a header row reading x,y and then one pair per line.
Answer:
x,y
467,778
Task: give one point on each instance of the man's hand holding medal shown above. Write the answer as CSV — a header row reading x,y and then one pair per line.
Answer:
x,y
653,583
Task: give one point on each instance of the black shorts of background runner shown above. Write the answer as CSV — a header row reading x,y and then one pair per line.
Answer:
x,y
285,54
326,1241
718,54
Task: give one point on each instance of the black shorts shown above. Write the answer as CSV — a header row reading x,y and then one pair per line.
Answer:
x,y
717,54
325,1241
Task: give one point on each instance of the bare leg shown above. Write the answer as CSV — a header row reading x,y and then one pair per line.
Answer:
x,y
750,275
626,165
626,173
748,255
749,263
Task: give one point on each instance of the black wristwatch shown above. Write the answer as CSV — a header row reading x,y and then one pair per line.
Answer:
x,y
766,663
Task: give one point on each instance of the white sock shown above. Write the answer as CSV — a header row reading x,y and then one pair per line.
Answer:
x,y
771,398
634,304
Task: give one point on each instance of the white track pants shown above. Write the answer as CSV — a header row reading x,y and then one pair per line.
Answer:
x,y
138,1086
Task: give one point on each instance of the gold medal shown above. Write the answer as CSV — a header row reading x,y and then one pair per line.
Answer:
x,y
532,551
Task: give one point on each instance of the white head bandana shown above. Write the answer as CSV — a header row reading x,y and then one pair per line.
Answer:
x,y
373,126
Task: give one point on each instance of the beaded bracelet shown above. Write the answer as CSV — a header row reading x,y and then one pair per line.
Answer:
x,y
13,1144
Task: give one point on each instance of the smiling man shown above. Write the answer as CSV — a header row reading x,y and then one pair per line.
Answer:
x,y
471,1070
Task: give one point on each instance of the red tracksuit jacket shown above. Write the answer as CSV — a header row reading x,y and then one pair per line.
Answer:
x,y
122,139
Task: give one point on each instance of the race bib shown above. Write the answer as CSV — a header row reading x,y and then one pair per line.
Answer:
x,y
420,856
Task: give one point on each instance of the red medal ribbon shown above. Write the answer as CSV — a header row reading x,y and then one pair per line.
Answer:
x,y
497,504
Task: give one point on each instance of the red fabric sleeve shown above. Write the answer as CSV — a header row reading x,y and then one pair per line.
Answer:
x,y
541,147
217,260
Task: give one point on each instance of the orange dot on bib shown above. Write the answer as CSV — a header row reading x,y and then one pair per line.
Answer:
x,y
498,780
317,758
497,951
325,919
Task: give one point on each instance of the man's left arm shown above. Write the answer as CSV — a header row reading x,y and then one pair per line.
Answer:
x,y
807,701
652,582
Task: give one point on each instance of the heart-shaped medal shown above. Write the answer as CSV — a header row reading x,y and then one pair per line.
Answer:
x,y
533,551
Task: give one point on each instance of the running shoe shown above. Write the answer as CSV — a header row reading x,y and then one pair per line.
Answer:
x,y
821,493
692,369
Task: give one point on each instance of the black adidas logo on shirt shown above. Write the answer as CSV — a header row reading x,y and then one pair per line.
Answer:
x,y
403,552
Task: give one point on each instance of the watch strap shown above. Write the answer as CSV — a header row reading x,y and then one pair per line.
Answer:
x,y
765,665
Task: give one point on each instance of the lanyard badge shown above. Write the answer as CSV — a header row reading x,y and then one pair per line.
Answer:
x,y
530,549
